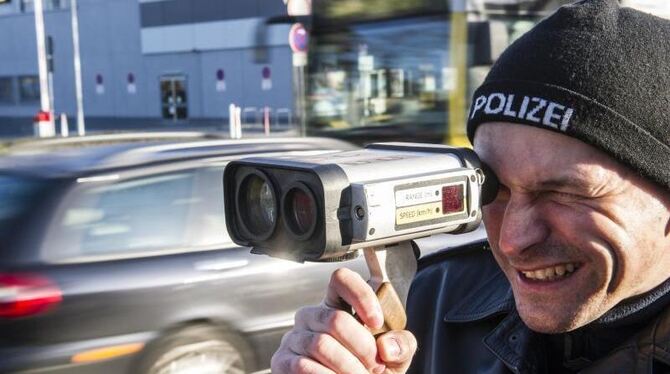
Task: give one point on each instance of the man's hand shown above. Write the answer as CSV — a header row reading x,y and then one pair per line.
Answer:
x,y
327,339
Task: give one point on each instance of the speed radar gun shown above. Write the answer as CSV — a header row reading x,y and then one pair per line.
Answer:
x,y
332,206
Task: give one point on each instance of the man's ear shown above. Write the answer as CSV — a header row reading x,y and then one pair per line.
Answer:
x,y
666,202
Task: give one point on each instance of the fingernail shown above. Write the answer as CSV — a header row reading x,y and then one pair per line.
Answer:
x,y
379,369
392,348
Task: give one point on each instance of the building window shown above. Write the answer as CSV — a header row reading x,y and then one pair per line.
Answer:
x,y
7,90
29,88
28,5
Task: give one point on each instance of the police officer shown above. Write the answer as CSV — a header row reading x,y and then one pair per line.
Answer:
x,y
574,119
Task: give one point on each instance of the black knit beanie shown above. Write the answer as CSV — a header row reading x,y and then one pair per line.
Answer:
x,y
594,71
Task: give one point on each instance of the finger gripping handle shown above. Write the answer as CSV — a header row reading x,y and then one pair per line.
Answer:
x,y
395,317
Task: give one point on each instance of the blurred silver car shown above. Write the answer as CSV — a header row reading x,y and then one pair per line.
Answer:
x,y
114,258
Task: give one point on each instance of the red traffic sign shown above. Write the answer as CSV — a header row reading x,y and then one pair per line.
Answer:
x,y
298,38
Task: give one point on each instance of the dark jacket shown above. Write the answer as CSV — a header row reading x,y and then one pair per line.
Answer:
x,y
462,311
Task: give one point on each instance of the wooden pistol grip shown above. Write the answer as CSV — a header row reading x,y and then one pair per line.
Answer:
x,y
395,317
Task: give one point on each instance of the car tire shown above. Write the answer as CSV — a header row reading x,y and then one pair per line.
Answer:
x,y
198,349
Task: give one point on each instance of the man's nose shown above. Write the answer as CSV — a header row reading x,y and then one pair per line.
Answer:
x,y
523,225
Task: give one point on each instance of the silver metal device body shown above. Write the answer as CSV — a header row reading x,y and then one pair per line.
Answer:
x,y
328,206
389,188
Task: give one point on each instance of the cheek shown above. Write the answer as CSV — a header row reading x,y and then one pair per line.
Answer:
x,y
593,230
597,233
645,254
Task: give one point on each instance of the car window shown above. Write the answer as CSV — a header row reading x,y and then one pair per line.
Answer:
x,y
15,196
210,218
131,216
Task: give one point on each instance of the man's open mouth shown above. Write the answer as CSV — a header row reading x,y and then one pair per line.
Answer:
x,y
551,273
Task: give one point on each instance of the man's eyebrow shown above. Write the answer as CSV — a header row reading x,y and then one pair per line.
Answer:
x,y
564,182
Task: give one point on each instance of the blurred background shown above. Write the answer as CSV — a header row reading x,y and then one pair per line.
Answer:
x,y
117,118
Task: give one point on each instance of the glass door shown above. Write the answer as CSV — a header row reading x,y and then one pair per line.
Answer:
x,y
174,104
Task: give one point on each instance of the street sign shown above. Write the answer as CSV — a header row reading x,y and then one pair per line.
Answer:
x,y
266,81
298,38
99,84
132,88
220,80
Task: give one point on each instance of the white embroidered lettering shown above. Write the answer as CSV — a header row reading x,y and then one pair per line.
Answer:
x,y
489,109
524,107
566,119
541,104
550,115
479,104
508,107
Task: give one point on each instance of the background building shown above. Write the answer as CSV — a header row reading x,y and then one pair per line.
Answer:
x,y
149,62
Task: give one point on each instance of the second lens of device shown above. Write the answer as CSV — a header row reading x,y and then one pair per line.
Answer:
x,y
300,211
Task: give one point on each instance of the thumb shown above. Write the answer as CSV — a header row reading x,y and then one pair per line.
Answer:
x,y
396,349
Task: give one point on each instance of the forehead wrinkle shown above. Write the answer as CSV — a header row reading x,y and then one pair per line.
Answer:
x,y
591,178
534,158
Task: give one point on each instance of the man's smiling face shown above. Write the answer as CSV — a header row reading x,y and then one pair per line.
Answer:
x,y
574,231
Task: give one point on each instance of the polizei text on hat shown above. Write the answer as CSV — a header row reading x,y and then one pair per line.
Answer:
x,y
530,108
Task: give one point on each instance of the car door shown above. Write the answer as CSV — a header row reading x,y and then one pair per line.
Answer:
x,y
141,251
118,249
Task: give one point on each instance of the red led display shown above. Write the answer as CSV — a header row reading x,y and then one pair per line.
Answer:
x,y
452,199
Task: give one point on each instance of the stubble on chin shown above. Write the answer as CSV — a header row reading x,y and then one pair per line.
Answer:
x,y
559,316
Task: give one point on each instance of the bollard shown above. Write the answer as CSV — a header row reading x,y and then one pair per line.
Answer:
x,y
64,127
266,120
231,121
43,126
238,122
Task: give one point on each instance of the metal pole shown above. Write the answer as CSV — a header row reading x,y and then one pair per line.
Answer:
x,y
50,82
302,99
299,62
81,129
45,103
299,8
458,52
50,77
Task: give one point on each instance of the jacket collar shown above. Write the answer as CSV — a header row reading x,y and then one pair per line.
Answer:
x,y
516,345
490,297
520,348
511,340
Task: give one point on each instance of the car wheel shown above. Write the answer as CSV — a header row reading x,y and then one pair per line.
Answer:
x,y
196,349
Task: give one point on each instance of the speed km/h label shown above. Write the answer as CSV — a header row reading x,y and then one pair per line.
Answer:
x,y
417,213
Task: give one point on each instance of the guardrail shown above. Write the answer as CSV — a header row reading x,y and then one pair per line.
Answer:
x,y
254,119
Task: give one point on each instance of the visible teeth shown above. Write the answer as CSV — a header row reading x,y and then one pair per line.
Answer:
x,y
550,273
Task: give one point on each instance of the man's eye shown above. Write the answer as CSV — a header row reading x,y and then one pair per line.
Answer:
x,y
503,193
563,196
